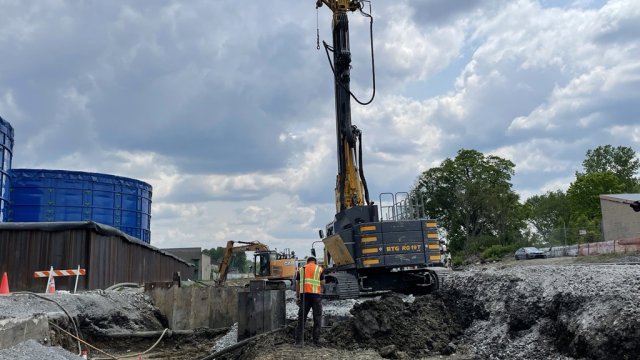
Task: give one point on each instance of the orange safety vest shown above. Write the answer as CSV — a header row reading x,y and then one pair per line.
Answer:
x,y
310,279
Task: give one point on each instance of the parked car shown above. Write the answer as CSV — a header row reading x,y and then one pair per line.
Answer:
x,y
530,253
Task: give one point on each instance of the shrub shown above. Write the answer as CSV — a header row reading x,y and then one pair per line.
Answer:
x,y
497,252
457,260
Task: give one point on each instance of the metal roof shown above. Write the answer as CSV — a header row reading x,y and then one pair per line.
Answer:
x,y
91,225
622,198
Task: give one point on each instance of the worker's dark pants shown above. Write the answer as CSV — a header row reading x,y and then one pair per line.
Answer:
x,y
309,303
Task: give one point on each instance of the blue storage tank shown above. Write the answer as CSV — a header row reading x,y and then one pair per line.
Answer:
x,y
59,195
6,147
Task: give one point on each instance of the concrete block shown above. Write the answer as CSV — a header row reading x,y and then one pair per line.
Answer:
x,y
189,308
16,330
224,311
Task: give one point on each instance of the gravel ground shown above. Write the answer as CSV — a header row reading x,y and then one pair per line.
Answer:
x,y
554,311
230,338
97,311
338,309
335,308
513,310
33,350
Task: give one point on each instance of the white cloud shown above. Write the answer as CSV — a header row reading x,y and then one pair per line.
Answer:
x,y
228,111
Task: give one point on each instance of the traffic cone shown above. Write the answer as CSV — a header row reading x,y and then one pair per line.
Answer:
x,y
51,286
4,286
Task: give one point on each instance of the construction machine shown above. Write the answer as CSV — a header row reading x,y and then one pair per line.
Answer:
x,y
364,251
270,265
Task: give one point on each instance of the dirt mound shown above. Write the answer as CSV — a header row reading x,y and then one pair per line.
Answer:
x,y
554,312
429,325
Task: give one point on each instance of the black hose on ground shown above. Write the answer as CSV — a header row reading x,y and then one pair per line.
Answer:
x,y
153,334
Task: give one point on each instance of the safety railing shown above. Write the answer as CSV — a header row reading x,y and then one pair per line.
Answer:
x,y
400,206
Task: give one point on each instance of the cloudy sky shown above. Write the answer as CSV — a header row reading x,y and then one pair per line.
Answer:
x,y
226,108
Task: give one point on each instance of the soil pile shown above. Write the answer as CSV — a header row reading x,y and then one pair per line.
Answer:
x,y
429,325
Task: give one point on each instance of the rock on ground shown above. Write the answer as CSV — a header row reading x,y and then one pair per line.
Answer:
x,y
33,350
230,338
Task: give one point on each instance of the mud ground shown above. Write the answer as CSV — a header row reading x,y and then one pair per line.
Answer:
x,y
179,347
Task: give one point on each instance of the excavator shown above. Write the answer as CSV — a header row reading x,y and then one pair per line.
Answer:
x,y
274,267
365,253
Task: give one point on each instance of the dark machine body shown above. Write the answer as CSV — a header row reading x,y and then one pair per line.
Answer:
x,y
364,254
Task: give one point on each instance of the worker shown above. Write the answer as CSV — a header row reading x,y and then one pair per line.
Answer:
x,y
309,283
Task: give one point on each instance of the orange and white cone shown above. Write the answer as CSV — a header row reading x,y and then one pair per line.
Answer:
x,y
51,286
4,286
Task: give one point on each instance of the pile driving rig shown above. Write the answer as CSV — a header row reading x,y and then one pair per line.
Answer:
x,y
362,253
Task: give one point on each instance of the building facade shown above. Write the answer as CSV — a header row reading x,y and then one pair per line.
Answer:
x,y
619,220
194,256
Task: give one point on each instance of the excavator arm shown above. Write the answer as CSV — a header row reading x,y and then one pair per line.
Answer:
x,y
231,249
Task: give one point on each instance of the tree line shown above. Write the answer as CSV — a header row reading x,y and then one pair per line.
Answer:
x,y
238,262
472,197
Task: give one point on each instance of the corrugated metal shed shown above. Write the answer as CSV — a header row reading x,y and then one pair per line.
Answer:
x,y
109,255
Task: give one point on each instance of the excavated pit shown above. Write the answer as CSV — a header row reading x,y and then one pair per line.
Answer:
x,y
532,310
500,312
554,312
429,325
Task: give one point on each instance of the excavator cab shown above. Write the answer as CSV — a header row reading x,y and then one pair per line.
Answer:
x,y
273,265
262,261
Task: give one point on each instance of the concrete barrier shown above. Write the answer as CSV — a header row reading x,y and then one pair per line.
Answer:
x,y
16,330
188,308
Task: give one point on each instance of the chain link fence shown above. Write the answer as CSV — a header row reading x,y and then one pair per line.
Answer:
x,y
573,241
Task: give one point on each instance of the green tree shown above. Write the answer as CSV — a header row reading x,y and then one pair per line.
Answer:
x,y
547,213
238,260
620,161
584,193
472,199
215,254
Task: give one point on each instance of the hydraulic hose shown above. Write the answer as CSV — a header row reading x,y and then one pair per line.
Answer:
x,y
121,285
361,169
